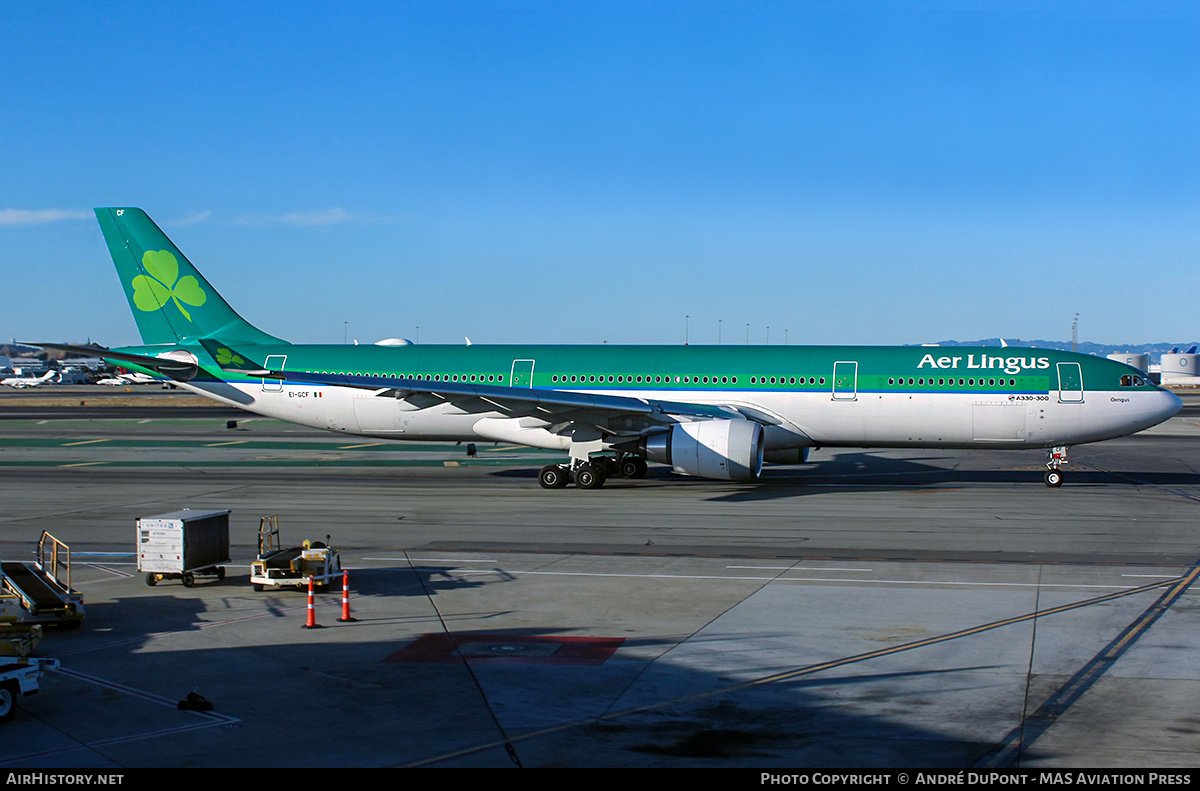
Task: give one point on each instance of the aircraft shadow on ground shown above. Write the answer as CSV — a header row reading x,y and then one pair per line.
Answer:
x,y
391,580
636,708
870,472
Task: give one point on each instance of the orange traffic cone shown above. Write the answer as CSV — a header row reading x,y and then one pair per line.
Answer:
x,y
312,608
346,598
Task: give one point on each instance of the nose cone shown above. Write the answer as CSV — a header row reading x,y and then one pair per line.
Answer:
x,y
1166,406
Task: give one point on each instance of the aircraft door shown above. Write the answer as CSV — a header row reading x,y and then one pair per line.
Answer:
x,y
522,373
845,381
274,362
1070,383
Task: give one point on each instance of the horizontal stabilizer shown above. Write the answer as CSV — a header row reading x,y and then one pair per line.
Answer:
x,y
181,366
236,362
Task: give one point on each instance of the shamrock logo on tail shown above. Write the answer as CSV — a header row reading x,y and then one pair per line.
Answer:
x,y
162,284
225,357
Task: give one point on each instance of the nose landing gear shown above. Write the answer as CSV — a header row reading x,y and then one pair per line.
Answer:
x,y
1056,457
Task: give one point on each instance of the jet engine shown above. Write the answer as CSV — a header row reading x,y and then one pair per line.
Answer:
x,y
180,365
787,456
730,450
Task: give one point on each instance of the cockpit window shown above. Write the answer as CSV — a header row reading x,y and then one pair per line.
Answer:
x,y
1129,380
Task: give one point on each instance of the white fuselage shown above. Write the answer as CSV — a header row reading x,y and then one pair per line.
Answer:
x,y
938,420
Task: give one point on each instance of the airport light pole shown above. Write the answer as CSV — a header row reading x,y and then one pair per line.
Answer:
x,y
718,332
686,323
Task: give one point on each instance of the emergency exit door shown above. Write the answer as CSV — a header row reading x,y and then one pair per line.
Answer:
x,y
522,373
1070,383
845,381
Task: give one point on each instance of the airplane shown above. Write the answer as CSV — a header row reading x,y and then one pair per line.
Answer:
x,y
128,378
715,412
29,381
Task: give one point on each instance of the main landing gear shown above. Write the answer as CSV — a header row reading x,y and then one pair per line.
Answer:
x,y
1056,457
592,473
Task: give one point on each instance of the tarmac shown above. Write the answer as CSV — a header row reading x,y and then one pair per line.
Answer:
x,y
937,609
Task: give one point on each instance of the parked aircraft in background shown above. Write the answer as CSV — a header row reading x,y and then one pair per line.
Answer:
x,y
30,381
709,411
129,378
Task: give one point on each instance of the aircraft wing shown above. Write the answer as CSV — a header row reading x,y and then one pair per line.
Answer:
x,y
612,414
621,415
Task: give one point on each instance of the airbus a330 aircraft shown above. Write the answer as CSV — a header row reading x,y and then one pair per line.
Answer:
x,y
709,411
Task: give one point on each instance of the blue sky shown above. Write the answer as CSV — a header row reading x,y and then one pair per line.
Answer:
x,y
867,172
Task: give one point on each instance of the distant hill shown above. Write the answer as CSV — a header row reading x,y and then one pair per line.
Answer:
x,y
1155,350
15,349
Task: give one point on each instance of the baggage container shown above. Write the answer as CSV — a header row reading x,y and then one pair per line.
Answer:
x,y
183,545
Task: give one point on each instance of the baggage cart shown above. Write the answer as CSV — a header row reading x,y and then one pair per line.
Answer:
x,y
277,566
183,545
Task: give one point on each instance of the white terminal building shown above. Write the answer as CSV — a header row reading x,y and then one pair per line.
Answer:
x,y
1180,369
1173,368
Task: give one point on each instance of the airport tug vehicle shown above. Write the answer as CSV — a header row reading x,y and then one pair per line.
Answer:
x,y
278,566
19,677
33,594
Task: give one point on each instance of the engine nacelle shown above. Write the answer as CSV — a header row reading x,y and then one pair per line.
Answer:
x,y
183,368
730,450
787,456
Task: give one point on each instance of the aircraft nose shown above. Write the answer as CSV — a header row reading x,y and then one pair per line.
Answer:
x,y
1167,407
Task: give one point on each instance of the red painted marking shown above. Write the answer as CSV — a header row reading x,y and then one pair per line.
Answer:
x,y
509,649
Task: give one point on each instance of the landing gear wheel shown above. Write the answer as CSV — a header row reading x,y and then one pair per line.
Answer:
x,y
553,476
633,467
1054,478
589,476
8,703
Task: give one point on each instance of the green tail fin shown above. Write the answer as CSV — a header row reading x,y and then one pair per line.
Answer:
x,y
171,301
